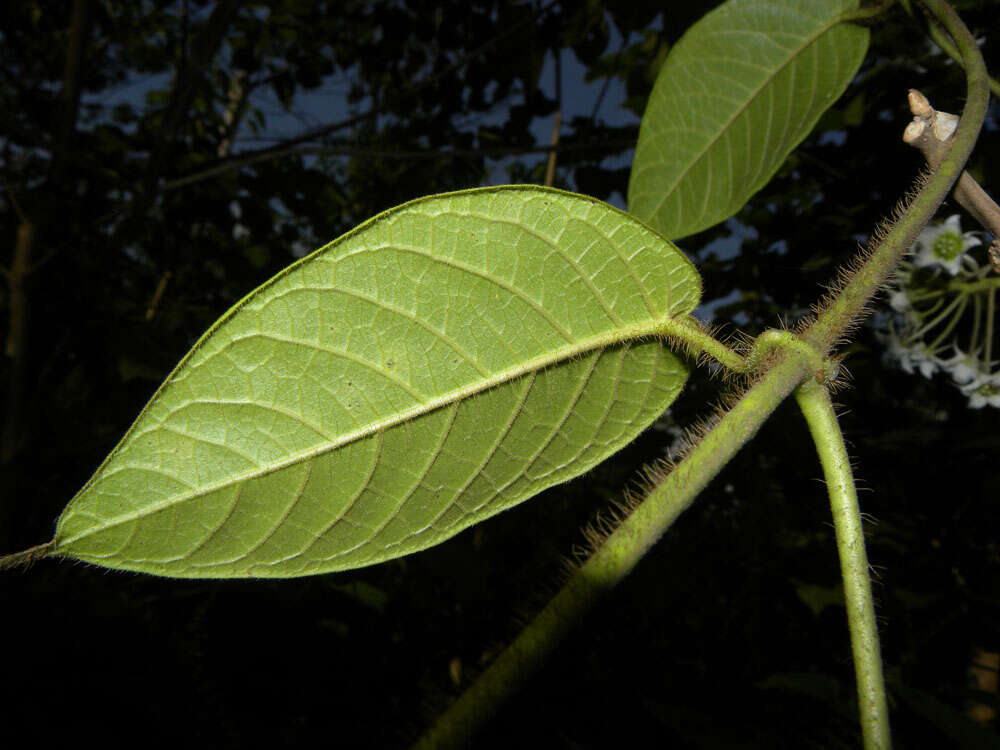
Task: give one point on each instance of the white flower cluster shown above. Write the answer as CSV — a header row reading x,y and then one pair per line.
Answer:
x,y
946,313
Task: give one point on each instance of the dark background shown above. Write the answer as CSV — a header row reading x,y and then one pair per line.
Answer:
x,y
729,634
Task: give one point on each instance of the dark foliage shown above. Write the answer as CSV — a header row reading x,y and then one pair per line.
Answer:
x,y
729,634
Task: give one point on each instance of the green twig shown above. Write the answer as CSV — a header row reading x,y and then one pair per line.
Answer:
x,y
990,314
615,558
814,400
942,40
925,327
850,299
689,333
945,335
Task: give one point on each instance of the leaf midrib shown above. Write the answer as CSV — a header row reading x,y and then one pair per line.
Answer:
x,y
628,332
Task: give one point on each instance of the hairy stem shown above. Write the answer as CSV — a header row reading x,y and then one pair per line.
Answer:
x,y
665,502
26,557
688,333
814,401
850,299
615,558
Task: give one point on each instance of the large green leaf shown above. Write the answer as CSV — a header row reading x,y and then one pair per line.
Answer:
x,y
742,88
440,363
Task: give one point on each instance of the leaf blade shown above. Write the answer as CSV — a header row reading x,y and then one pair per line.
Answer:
x,y
742,88
313,427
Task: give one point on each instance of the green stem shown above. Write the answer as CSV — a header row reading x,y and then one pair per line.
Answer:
x,y
615,558
628,543
941,40
979,285
28,556
990,314
814,400
774,339
850,300
924,296
941,316
689,332
933,308
977,311
946,333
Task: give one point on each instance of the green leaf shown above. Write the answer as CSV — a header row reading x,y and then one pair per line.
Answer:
x,y
442,362
743,87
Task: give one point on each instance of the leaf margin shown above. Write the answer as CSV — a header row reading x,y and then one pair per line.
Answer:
x,y
684,227
629,334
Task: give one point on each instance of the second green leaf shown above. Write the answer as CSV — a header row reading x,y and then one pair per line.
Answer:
x,y
742,88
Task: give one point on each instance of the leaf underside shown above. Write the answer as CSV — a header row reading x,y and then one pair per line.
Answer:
x,y
742,88
442,362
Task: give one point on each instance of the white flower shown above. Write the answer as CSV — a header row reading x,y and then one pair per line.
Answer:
x,y
963,368
944,245
899,300
983,391
911,356
894,346
919,356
